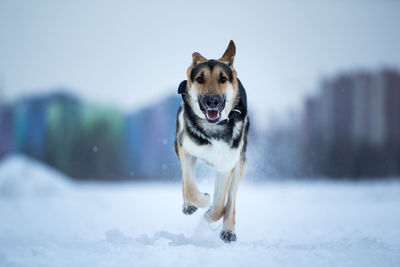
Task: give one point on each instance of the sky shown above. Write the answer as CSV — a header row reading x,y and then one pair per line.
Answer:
x,y
131,54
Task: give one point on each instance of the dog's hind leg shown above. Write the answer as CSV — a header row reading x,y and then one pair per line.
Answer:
x,y
192,197
228,229
222,182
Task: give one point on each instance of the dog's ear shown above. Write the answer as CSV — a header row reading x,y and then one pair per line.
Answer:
x,y
182,87
197,58
229,54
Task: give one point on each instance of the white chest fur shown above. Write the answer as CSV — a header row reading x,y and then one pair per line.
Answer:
x,y
218,154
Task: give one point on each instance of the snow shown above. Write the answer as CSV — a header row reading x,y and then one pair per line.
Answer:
x,y
47,220
22,176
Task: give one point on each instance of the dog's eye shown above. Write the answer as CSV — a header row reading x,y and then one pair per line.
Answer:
x,y
200,80
222,79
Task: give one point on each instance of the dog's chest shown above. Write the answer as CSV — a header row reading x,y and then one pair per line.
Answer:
x,y
218,154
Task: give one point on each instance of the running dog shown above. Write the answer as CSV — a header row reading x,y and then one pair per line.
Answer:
x,y
212,126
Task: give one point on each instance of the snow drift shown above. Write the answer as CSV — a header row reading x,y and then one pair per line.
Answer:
x,y
23,176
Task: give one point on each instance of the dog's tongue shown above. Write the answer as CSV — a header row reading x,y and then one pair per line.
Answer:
x,y
212,114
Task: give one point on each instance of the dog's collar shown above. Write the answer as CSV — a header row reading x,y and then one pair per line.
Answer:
x,y
240,110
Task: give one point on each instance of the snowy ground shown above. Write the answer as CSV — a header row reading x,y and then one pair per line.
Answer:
x,y
45,220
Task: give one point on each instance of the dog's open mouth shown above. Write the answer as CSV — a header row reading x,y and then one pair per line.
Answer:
x,y
213,114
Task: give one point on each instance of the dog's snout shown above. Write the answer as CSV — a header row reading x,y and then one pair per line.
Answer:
x,y
212,101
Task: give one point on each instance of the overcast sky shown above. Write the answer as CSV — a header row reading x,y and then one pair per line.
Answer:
x,y
131,54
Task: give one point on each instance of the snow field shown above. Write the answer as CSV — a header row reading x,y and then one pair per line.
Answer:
x,y
47,220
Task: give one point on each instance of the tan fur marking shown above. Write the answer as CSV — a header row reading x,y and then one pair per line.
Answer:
x,y
212,84
190,191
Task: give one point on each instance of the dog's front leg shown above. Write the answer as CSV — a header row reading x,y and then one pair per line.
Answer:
x,y
228,229
192,197
222,182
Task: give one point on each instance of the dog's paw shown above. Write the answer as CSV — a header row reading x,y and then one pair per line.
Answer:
x,y
228,236
189,209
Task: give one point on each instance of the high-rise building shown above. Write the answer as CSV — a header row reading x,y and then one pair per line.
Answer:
x,y
6,130
359,106
336,108
389,81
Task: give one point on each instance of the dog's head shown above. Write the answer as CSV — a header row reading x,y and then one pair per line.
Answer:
x,y
212,87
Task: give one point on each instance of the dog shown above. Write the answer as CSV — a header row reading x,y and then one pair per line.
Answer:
x,y
212,126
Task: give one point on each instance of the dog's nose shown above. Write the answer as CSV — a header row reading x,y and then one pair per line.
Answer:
x,y
212,101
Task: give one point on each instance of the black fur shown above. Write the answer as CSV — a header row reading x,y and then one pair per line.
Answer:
x,y
243,96
246,131
182,87
177,125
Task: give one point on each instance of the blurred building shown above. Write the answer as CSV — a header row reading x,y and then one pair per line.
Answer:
x,y
353,125
149,136
312,118
336,107
364,105
89,141
63,115
7,142
30,126
389,83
